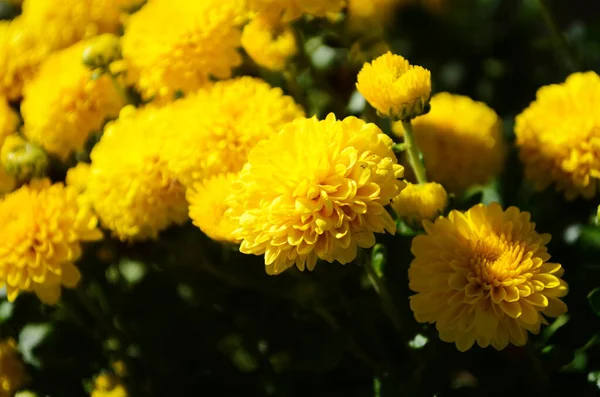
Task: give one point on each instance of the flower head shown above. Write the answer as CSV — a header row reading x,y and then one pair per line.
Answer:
x,y
558,136
417,202
461,140
62,105
369,16
208,205
316,190
78,176
12,370
129,184
394,87
198,40
43,226
288,10
269,45
107,385
483,276
218,126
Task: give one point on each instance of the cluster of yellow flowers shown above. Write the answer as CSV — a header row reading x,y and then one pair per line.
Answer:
x,y
240,158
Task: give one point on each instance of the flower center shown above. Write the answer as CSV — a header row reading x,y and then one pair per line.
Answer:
x,y
494,261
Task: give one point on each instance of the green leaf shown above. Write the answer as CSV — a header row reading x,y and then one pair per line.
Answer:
x,y
594,299
378,258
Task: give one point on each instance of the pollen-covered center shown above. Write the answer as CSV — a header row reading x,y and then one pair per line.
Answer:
x,y
495,262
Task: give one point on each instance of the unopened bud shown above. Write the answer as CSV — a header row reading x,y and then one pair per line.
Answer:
x,y
22,159
102,51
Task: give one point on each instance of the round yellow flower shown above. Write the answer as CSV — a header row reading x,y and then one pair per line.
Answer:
x,y
461,141
316,190
416,203
394,87
288,10
129,185
43,226
558,136
78,176
217,127
208,205
483,276
12,370
268,44
108,386
62,105
371,16
197,41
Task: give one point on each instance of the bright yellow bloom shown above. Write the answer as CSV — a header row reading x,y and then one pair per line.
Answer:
x,y
416,203
288,10
22,159
173,45
217,127
43,226
108,386
269,45
9,120
316,190
461,140
12,370
483,276
62,105
372,15
129,185
558,136
208,205
394,87
78,176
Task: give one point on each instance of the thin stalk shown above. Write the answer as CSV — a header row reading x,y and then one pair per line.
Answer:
x,y
563,51
386,298
415,157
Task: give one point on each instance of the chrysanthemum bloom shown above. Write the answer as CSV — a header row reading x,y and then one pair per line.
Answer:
x,y
394,87
316,190
288,10
129,185
461,140
12,370
62,105
558,136
106,385
270,45
483,276
419,202
371,16
22,159
217,127
208,205
197,41
43,226
78,176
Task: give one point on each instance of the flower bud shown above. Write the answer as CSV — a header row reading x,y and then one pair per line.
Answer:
x,y
416,203
102,51
22,159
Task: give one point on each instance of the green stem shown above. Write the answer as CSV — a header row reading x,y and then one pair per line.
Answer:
x,y
415,158
386,298
561,45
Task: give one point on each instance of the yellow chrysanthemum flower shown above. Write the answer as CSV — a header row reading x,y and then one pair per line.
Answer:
x,y
558,136
394,87
62,105
198,40
208,205
108,386
288,10
483,276
461,141
12,370
371,16
416,203
129,185
217,127
78,176
43,226
269,45
316,190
